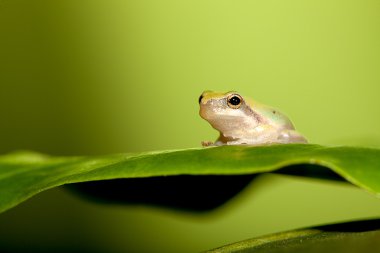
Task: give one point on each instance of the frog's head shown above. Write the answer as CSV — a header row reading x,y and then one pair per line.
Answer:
x,y
225,111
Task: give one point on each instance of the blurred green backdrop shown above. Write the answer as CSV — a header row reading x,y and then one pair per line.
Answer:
x,y
95,77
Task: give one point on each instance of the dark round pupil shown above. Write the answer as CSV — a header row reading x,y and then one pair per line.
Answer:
x,y
234,100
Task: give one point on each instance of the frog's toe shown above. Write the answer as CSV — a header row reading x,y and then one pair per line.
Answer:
x,y
207,143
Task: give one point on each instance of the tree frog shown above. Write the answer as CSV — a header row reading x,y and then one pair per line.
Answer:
x,y
244,121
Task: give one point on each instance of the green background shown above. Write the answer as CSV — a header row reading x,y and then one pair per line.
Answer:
x,y
97,77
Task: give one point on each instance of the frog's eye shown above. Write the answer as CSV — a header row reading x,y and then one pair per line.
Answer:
x,y
234,101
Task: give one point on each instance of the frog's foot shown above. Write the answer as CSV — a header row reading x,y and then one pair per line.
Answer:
x,y
291,136
207,143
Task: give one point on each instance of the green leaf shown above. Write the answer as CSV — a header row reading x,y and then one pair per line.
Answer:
x,y
25,174
358,236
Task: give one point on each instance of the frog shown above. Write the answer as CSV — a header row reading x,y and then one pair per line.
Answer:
x,y
243,121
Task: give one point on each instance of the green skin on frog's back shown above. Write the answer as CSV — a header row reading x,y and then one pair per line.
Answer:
x,y
244,121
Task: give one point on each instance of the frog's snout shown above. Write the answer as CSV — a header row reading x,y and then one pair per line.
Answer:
x,y
200,98
205,95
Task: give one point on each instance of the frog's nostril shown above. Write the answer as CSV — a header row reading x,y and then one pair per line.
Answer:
x,y
200,99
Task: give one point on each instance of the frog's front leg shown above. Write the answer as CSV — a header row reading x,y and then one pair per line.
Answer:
x,y
222,140
291,136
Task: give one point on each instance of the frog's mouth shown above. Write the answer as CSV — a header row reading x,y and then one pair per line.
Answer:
x,y
218,120
218,111
207,111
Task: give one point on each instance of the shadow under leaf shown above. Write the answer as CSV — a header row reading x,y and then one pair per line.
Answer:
x,y
192,193
186,192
